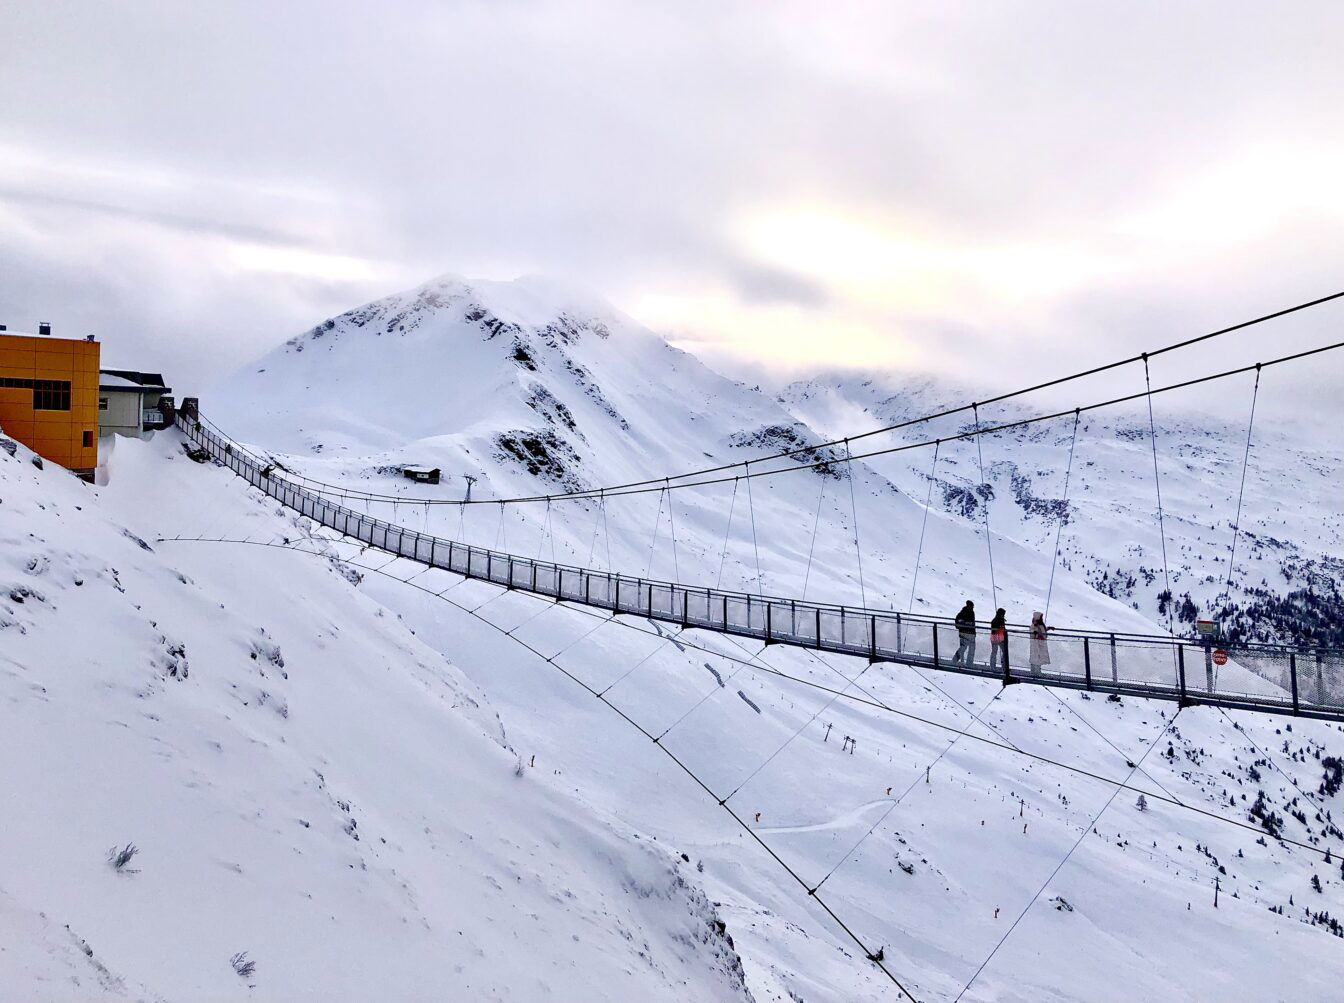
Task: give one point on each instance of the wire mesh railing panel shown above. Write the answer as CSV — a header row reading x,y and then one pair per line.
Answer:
x,y
661,602
1063,659
737,614
601,590
697,608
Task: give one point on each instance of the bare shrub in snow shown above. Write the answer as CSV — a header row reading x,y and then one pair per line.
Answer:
x,y
518,767
242,965
119,857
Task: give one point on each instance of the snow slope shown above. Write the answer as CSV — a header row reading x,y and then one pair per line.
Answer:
x,y
466,369
304,779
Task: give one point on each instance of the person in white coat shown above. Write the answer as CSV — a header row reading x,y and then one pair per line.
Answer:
x,y
1040,644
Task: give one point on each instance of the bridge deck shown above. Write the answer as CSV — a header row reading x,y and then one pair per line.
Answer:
x,y
1266,678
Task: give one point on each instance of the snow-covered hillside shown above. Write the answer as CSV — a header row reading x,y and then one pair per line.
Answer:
x,y
305,781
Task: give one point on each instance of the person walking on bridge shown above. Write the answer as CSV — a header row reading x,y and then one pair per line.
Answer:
x,y
998,640
1040,645
965,622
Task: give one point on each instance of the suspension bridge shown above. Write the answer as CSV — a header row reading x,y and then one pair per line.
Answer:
x,y
1280,679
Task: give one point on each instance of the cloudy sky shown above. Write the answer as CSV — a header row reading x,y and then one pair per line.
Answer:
x,y
989,189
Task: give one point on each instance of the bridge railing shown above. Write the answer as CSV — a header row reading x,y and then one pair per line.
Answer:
x,y
1261,677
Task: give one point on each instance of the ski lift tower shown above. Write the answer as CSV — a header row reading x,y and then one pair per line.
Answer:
x,y
470,481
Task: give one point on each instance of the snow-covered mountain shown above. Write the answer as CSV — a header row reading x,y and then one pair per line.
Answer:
x,y
971,842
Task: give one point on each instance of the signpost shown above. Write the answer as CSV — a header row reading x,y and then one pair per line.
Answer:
x,y
1208,634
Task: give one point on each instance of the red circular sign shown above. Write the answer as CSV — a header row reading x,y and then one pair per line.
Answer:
x,y
1219,656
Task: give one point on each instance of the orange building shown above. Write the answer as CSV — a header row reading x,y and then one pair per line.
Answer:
x,y
49,398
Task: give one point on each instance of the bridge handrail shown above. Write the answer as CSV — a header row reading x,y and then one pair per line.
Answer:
x,y
244,456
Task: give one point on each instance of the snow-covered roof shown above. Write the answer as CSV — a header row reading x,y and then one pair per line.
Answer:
x,y
128,380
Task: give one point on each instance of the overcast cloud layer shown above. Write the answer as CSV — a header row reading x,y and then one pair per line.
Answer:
x,y
990,190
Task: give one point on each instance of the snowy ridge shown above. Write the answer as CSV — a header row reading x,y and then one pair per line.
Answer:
x,y
304,780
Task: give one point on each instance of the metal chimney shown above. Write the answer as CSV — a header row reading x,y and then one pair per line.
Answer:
x,y
44,327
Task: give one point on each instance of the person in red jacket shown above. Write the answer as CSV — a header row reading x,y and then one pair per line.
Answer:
x,y
998,640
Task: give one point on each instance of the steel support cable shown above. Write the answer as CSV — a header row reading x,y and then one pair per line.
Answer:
x,y
928,500
1157,483
653,541
597,514
958,704
1088,724
763,667
848,682
586,634
1058,381
868,953
1059,530
666,639
913,784
545,531
1270,759
726,533
989,539
1241,491
803,727
672,523
499,530
711,692
751,507
606,534
854,516
1058,867
986,430
816,522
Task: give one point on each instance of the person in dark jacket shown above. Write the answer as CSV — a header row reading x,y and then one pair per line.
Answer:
x,y
965,622
998,640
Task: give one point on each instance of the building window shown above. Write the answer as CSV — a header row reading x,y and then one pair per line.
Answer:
x,y
88,439
51,395
48,395
102,403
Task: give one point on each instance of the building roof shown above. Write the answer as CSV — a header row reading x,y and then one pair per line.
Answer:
x,y
130,381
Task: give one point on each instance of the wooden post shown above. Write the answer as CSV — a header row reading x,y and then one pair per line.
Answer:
x,y
1180,670
872,638
1087,664
935,645
1292,671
